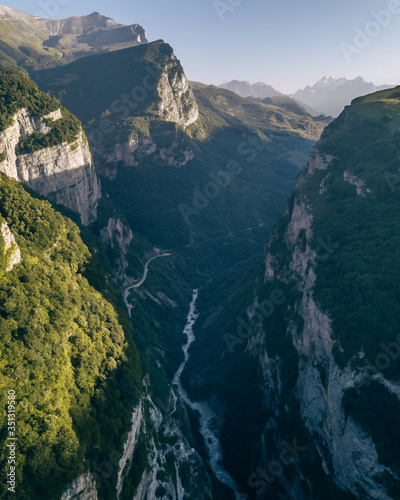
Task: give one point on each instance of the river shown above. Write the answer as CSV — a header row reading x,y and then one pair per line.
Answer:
x,y
207,416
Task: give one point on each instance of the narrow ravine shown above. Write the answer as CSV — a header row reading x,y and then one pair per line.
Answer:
x,y
207,416
140,282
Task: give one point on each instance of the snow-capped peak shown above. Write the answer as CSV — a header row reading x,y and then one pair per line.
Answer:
x,y
328,82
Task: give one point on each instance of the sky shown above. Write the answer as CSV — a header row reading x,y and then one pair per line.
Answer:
x,y
286,43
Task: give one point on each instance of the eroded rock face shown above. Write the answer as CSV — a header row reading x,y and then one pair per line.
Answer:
x,y
317,161
83,488
131,152
118,236
352,453
347,453
129,447
178,103
198,484
10,245
62,173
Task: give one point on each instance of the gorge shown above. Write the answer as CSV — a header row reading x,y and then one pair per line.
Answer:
x,y
199,293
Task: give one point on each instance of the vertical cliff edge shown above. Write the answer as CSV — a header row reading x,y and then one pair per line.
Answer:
x,y
50,152
329,353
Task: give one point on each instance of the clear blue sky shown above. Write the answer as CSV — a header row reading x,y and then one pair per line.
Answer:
x,y
285,43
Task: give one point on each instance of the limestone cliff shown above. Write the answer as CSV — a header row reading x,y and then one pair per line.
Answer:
x,y
62,173
142,113
342,369
321,383
159,430
83,488
117,236
131,153
11,249
170,456
177,102
174,103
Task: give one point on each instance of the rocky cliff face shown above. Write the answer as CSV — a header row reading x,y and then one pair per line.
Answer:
x,y
11,249
174,103
176,469
177,102
62,173
132,152
346,452
331,387
117,236
83,488
140,114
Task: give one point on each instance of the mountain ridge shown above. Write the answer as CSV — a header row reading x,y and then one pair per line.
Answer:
x,y
246,89
33,43
331,95
327,96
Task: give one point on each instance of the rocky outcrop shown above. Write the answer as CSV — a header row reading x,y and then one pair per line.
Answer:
x,y
358,183
129,448
11,249
174,102
118,236
317,161
171,443
166,441
352,453
177,102
131,153
62,173
83,488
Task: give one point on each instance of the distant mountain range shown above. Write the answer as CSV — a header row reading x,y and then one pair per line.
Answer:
x,y
328,96
331,95
246,89
34,43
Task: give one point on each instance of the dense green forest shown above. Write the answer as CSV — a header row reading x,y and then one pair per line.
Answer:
x,y
73,367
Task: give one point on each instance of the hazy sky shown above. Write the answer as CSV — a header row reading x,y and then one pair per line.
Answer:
x,y
287,44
